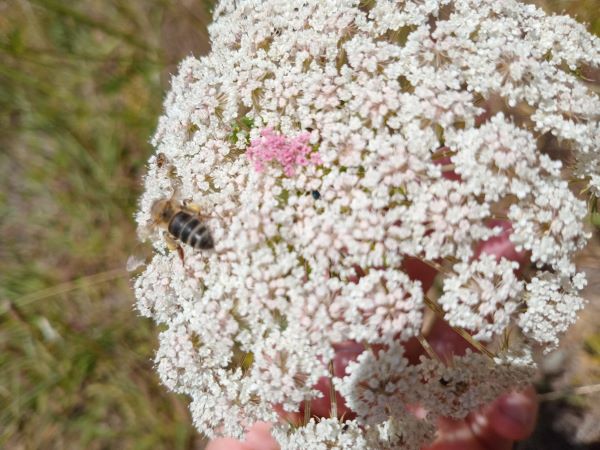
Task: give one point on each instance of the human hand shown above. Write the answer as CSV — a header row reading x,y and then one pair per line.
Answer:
x,y
496,426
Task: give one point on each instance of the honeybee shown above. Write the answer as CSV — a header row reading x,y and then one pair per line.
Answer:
x,y
183,223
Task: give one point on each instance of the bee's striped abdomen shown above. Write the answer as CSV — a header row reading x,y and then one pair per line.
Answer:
x,y
191,231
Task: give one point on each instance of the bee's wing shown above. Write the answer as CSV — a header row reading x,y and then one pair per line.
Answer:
x,y
134,262
139,258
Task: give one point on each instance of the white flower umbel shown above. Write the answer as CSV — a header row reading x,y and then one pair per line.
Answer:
x,y
482,295
383,306
383,387
470,381
406,432
285,369
380,385
327,144
552,306
550,225
324,434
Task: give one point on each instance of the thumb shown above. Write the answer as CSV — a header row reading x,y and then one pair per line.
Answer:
x,y
258,438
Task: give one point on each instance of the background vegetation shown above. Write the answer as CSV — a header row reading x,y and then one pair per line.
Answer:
x,y
81,86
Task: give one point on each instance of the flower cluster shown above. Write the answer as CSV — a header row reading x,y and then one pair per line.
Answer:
x,y
287,152
333,144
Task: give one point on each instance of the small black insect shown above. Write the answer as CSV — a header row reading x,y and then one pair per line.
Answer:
x,y
315,194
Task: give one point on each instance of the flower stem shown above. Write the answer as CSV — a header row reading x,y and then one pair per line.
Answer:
x,y
462,332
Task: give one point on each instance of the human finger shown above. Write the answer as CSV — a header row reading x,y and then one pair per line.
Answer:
x,y
258,438
514,415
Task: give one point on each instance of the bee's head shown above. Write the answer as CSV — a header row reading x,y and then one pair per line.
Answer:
x,y
162,211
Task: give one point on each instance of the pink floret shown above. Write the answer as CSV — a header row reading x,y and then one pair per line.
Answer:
x,y
290,153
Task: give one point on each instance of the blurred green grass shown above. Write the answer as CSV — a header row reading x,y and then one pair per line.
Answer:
x,y
81,86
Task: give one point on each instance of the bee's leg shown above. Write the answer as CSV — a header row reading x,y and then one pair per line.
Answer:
x,y
180,253
172,244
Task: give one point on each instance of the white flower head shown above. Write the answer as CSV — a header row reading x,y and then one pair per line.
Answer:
x,y
324,434
326,144
482,296
552,306
470,381
406,432
383,306
380,384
